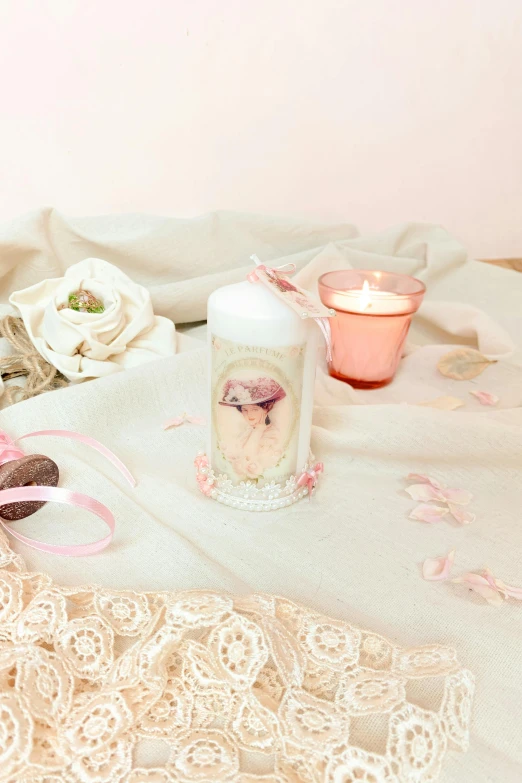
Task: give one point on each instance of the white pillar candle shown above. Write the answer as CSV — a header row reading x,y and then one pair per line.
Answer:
x,y
262,359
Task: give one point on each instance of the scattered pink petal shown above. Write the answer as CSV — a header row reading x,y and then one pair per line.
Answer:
x,y
429,489
428,513
182,419
438,568
485,398
425,492
459,496
197,420
482,586
510,590
173,422
463,517
421,478
506,590
492,596
488,576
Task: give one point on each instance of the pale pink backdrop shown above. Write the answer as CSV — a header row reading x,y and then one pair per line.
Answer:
x,y
366,110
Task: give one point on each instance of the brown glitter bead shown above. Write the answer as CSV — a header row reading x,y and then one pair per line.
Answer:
x,y
33,470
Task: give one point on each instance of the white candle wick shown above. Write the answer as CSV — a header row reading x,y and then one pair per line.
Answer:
x,y
255,259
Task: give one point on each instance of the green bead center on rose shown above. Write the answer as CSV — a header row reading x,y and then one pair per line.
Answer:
x,y
85,302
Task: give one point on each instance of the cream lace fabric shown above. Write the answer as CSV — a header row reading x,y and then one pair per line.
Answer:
x,y
97,685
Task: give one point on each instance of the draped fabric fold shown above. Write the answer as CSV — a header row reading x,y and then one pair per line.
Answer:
x,y
351,554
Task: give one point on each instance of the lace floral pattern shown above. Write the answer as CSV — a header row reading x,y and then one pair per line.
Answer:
x,y
90,677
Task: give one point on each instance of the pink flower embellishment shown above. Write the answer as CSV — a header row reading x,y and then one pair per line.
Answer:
x,y
204,486
204,479
309,478
201,461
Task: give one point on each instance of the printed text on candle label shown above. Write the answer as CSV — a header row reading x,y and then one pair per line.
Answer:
x,y
254,349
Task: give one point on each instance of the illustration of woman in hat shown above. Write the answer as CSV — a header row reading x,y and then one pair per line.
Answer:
x,y
257,446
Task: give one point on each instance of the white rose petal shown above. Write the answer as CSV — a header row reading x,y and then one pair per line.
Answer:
x,y
90,345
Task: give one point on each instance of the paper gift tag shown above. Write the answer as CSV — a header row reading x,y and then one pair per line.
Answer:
x,y
303,302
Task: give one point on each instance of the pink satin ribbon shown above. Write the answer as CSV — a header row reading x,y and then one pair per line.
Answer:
x,y
94,444
9,452
59,495
309,477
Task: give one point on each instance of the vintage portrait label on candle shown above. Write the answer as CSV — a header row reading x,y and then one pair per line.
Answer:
x,y
256,402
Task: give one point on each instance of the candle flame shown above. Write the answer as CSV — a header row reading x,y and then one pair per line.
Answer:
x,y
365,299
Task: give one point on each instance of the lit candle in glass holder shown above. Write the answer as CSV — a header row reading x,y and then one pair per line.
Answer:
x,y
374,312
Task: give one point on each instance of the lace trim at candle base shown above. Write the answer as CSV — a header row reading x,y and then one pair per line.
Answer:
x,y
247,495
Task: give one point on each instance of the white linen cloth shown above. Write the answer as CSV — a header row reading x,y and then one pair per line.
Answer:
x,y
89,345
352,553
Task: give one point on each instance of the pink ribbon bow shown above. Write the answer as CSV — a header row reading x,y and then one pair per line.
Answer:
x,y
309,477
9,452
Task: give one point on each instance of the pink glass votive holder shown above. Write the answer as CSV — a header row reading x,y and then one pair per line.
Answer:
x,y
374,312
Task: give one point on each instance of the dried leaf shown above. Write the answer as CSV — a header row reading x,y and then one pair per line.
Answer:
x,y
443,403
463,517
438,568
463,364
485,398
427,513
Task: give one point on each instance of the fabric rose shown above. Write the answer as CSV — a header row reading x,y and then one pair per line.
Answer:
x,y
119,332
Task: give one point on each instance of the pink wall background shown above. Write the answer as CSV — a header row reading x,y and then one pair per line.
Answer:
x,y
366,110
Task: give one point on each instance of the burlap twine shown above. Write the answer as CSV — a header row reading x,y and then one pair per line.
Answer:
x,y
26,362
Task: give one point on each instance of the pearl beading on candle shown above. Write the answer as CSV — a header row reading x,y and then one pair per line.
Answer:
x,y
247,495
